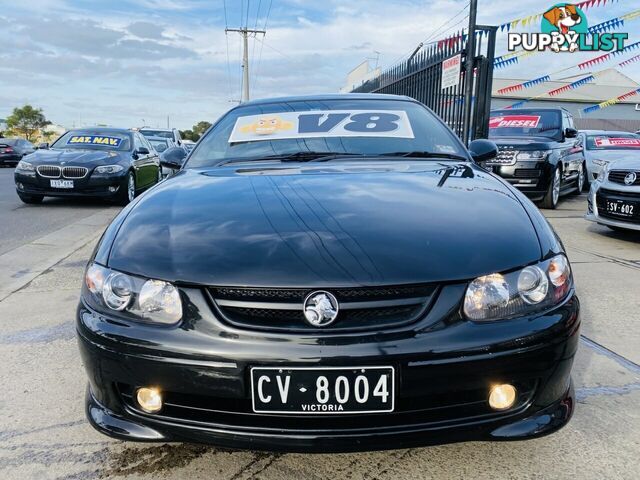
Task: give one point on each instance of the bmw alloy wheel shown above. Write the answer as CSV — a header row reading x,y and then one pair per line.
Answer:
x,y
131,187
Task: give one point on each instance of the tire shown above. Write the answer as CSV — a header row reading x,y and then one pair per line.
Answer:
x,y
31,199
551,198
127,191
582,179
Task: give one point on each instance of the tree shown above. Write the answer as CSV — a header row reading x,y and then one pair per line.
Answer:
x,y
201,127
27,121
187,135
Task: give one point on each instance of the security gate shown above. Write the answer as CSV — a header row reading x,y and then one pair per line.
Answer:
x,y
420,77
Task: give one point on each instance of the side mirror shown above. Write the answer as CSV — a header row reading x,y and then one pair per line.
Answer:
x,y
142,151
570,132
173,158
482,150
43,146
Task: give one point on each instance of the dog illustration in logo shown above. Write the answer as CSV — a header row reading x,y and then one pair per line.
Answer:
x,y
267,126
563,18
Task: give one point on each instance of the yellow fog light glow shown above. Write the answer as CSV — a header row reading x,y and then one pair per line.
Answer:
x,y
149,399
502,396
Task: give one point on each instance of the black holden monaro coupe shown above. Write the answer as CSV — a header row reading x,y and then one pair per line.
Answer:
x,y
111,163
324,274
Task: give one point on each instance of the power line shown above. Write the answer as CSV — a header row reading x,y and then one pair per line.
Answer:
x,y
259,67
245,56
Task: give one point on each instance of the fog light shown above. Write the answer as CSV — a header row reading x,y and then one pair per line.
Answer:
x,y
20,186
113,189
502,396
149,399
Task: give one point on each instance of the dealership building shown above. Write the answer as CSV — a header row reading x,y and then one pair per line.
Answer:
x,y
608,84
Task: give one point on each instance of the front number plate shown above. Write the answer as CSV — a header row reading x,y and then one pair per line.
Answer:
x,y
62,183
619,207
322,391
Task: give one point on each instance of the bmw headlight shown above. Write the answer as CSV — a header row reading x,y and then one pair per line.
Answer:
x,y
109,169
533,155
532,289
25,166
153,301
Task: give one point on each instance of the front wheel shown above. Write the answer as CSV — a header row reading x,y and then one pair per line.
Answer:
x,y
550,200
581,180
127,190
31,199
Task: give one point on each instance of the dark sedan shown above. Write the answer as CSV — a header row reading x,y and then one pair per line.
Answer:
x,y
329,273
13,149
98,162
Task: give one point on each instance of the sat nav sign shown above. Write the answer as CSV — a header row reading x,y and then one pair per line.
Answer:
x,y
95,140
514,121
617,142
322,124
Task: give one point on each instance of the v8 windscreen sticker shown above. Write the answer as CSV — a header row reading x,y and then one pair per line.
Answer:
x,y
95,140
517,121
321,123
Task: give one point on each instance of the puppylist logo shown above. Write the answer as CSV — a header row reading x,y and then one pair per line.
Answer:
x,y
564,28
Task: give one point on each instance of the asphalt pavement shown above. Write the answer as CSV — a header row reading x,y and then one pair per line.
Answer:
x,y
21,223
44,434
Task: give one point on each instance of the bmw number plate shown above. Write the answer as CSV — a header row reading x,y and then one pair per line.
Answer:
x,y
318,391
61,183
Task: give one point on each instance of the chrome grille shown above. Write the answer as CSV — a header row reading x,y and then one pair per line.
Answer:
x,y
49,171
74,172
360,308
506,156
618,176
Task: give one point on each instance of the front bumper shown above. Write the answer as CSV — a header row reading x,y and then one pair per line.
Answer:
x,y
596,207
444,371
530,177
92,185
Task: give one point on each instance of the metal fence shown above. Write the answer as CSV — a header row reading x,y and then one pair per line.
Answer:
x,y
420,77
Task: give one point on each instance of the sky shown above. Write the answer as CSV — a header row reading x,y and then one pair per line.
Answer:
x,y
146,62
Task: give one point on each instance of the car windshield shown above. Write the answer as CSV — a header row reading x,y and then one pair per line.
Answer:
x,y
308,130
613,141
157,133
518,123
92,140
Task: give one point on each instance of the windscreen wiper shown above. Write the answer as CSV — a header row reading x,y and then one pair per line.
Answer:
x,y
425,154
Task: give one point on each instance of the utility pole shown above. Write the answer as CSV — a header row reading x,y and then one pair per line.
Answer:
x,y
468,71
245,57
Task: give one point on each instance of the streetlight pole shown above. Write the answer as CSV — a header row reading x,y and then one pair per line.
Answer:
x,y
245,57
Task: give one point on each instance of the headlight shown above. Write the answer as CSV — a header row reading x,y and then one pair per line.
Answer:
x,y
25,166
533,155
109,169
153,301
529,290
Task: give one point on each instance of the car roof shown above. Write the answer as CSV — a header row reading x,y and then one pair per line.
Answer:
x,y
7,140
326,97
102,130
606,132
542,109
157,129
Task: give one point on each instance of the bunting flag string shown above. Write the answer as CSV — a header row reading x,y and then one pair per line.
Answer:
x,y
571,86
531,19
611,101
614,22
607,56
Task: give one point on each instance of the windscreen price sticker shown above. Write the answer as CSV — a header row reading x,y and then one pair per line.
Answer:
x,y
322,124
617,142
451,72
514,121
